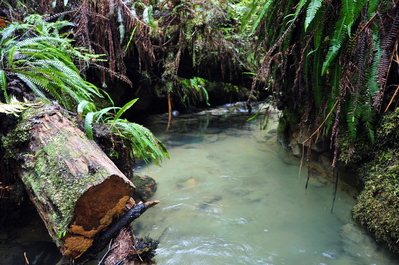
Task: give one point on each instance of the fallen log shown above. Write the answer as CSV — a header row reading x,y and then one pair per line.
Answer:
x,y
77,190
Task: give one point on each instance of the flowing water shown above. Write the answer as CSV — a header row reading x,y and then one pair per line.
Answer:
x,y
231,195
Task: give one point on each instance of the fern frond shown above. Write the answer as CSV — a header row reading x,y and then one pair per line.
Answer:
x,y
14,107
252,8
89,124
145,145
125,108
333,96
85,106
311,11
352,118
338,38
3,85
32,85
352,10
261,15
99,115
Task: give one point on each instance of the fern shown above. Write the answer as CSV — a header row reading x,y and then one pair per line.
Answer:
x,y
333,96
3,85
352,117
144,144
349,12
252,9
14,107
338,38
371,72
88,124
43,60
313,7
261,15
125,108
317,84
352,10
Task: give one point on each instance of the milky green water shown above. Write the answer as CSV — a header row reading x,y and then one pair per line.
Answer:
x,y
231,195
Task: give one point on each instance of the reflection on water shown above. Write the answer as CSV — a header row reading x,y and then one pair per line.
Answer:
x,y
229,195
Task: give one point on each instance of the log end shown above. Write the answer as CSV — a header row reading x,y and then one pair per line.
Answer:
x,y
94,212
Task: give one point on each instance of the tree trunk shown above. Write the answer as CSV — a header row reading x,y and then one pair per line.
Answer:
x,y
76,188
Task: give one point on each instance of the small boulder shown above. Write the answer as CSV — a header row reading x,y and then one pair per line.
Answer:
x,y
145,187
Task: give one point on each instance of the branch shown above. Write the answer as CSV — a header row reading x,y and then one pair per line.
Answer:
x,y
102,241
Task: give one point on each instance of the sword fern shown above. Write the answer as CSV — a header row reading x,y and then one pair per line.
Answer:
x,y
36,54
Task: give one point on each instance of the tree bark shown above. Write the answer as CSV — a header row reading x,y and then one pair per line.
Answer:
x,y
77,190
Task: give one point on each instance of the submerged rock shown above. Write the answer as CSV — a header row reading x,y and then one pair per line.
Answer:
x,y
145,187
358,243
203,206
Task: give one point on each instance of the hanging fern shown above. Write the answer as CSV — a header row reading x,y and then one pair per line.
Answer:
x,y
339,36
333,98
311,11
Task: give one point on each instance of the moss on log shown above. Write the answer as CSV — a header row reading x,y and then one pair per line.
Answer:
x,y
76,188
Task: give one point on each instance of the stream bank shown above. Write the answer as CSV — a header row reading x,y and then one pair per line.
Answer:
x,y
367,171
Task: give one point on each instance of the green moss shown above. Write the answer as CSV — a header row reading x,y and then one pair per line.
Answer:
x,y
14,140
378,204
286,121
354,151
63,191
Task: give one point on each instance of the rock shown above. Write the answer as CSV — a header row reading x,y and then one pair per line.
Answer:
x,y
296,148
219,112
357,243
145,187
187,184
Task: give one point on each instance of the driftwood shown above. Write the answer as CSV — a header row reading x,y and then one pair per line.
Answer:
x,y
77,190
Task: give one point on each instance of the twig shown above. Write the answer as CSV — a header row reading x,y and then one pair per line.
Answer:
x,y
335,188
325,120
120,262
26,259
169,111
106,254
392,98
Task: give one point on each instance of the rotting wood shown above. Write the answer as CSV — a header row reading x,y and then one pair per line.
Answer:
x,y
113,231
77,190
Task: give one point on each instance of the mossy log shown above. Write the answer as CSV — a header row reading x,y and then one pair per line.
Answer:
x,y
77,190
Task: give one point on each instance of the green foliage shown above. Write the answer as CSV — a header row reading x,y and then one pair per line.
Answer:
x,y
253,8
143,144
37,54
336,42
327,69
313,7
14,106
194,90
377,205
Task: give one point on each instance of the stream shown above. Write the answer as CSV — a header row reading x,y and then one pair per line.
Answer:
x,y
230,194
